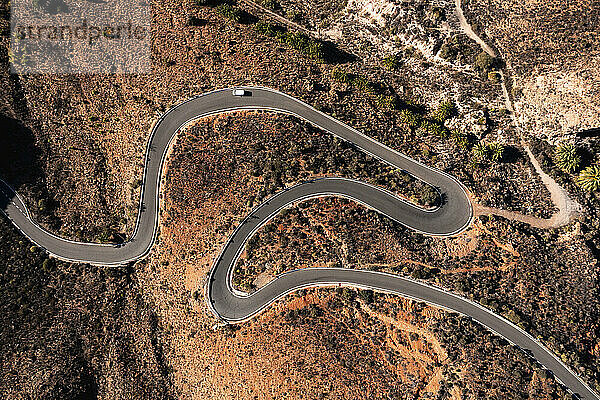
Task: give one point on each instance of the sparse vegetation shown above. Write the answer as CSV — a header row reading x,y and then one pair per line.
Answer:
x,y
488,273
299,41
56,320
270,4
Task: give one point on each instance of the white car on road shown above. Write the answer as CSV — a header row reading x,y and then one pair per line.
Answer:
x,y
239,92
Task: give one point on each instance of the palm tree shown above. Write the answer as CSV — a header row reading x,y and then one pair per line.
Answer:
x,y
479,151
446,109
391,62
589,178
567,157
410,118
495,151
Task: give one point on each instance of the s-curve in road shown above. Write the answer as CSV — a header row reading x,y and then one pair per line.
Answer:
x,y
452,217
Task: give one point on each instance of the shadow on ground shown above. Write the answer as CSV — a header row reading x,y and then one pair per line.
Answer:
x,y
20,165
588,133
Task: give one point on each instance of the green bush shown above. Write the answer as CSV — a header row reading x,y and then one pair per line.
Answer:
x,y
494,76
460,139
484,61
429,196
304,44
315,51
391,62
410,118
270,4
589,178
447,52
431,128
363,84
231,12
267,28
296,40
513,317
495,151
437,14
410,51
366,295
445,110
480,151
386,102
48,265
567,157
293,15
339,75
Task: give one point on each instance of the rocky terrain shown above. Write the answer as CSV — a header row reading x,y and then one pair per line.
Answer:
x,y
551,50
355,344
89,132
75,146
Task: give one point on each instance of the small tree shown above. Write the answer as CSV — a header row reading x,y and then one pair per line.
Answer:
x,y
315,50
460,139
432,128
567,157
267,28
363,84
492,151
494,76
589,178
366,295
447,52
484,61
437,14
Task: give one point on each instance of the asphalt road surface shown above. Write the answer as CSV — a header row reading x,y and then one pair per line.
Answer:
x,y
453,216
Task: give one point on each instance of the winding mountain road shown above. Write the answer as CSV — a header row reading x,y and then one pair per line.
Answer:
x,y
231,306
